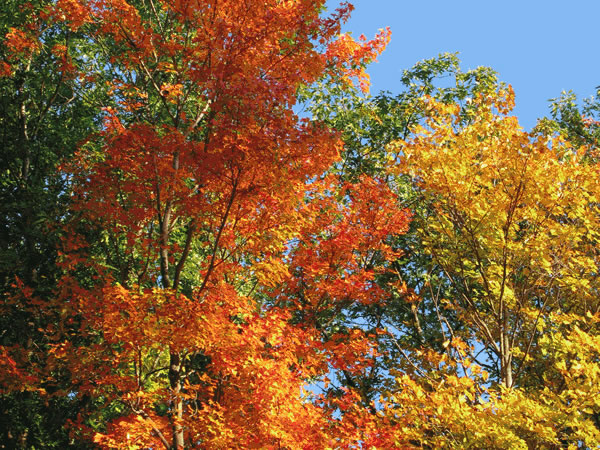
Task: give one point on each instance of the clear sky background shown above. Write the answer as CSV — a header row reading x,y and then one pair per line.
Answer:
x,y
539,47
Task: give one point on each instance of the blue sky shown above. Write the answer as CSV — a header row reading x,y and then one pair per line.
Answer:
x,y
539,47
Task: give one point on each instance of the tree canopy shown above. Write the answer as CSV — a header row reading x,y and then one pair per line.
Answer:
x,y
189,262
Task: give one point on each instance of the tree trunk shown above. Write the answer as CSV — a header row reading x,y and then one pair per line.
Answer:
x,y
506,354
177,405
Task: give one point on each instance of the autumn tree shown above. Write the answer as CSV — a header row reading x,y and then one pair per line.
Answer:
x,y
192,195
512,225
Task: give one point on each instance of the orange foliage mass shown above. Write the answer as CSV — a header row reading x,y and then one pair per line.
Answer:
x,y
200,180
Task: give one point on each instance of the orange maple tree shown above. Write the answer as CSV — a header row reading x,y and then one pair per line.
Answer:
x,y
202,194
